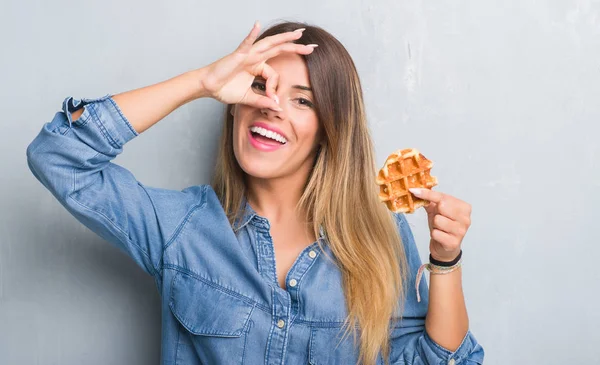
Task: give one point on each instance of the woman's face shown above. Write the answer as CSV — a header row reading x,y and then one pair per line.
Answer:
x,y
292,135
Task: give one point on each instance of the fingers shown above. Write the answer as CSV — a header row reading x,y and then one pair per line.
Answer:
x,y
271,41
432,196
445,205
260,101
430,208
248,42
445,239
288,47
449,226
449,219
272,78
269,100
263,50
447,234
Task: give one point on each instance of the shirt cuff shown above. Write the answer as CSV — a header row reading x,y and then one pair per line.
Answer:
x,y
105,112
469,349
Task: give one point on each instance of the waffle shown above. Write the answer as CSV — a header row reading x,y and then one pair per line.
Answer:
x,y
402,170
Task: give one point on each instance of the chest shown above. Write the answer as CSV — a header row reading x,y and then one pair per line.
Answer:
x,y
252,264
288,244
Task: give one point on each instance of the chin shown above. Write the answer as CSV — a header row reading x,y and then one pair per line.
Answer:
x,y
259,169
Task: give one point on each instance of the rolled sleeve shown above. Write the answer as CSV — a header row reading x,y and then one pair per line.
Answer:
x,y
106,113
469,351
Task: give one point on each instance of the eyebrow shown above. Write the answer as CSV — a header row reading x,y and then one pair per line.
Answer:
x,y
302,87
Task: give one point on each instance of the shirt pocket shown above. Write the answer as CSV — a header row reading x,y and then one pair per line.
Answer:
x,y
215,321
328,348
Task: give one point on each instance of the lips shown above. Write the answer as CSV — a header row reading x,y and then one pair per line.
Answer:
x,y
270,128
262,145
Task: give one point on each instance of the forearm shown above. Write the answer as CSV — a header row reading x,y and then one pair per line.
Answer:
x,y
145,106
447,321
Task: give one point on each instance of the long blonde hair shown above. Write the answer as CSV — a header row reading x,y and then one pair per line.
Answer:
x,y
340,194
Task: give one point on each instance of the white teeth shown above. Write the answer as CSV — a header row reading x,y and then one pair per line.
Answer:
x,y
269,134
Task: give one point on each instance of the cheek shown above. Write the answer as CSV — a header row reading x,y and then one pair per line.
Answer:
x,y
309,132
238,129
237,138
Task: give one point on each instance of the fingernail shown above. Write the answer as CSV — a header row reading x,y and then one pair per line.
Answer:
x,y
300,30
276,99
415,191
312,45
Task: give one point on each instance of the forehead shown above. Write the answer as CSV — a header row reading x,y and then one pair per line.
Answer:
x,y
291,69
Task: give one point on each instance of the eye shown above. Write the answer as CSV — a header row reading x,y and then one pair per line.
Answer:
x,y
305,102
260,86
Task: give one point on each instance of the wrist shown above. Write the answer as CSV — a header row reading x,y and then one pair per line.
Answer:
x,y
449,260
437,267
195,79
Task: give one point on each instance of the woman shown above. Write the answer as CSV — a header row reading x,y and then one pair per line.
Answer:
x,y
289,251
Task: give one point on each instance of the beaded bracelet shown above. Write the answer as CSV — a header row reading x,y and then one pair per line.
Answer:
x,y
436,270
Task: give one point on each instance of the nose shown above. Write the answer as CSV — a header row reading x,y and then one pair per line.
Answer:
x,y
270,113
274,113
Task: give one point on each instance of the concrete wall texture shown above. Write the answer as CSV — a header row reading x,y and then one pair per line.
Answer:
x,y
502,95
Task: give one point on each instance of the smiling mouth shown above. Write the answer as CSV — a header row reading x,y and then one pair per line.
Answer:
x,y
265,140
267,137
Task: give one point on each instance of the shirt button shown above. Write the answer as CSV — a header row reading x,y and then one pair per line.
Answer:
x,y
293,282
280,323
312,254
451,362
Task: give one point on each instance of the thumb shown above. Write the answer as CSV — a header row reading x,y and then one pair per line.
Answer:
x,y
430,208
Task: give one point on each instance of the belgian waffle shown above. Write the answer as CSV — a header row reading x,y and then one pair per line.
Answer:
x,y
404,169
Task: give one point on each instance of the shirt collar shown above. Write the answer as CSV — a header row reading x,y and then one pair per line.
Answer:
x,y
248,214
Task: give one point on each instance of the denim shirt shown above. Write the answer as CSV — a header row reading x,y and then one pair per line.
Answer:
x,y
221,301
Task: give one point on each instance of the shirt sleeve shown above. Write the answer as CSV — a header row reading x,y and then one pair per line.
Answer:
x,y
411,345
72,159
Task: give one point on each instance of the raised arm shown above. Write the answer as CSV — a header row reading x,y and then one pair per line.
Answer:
x,y
146,106
227,80
72,154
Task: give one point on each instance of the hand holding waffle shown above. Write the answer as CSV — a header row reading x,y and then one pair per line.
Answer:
x,y
449,219
408,171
